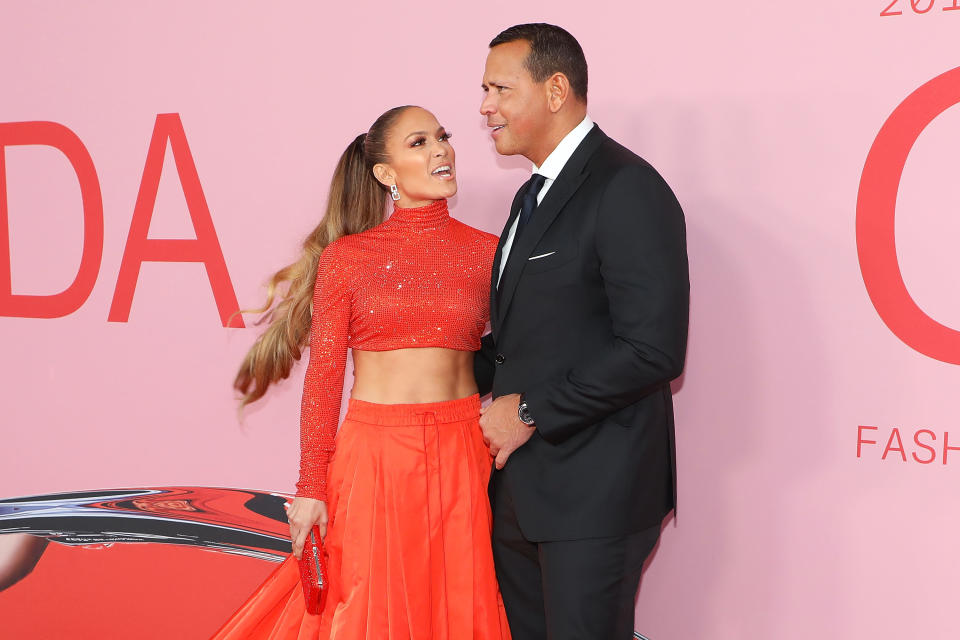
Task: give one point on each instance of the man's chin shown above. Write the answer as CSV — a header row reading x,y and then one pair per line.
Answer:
x,y
504,148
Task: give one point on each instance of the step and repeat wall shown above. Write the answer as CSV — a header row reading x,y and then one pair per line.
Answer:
x,y
159,161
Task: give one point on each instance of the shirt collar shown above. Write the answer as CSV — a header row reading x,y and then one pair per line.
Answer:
x,y
555,162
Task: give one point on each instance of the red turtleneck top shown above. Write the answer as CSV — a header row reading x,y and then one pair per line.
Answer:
x,y
419,279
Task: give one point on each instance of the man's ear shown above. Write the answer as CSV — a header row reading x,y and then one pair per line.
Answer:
x,y
384,174
558,91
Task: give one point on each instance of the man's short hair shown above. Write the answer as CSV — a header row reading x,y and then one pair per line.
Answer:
x,y
552,50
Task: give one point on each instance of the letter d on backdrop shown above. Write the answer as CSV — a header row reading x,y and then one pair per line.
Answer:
x,y
72,298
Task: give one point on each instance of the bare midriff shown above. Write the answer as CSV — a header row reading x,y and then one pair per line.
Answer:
x,y
412,376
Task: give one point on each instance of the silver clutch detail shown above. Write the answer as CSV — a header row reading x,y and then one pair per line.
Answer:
x,y
316,559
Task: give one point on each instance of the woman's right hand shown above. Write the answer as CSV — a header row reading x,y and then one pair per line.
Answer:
x,y
302,515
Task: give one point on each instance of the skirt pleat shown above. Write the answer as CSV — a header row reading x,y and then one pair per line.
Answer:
x,y
408,542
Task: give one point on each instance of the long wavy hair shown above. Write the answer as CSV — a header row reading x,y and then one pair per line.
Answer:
x,y
357,202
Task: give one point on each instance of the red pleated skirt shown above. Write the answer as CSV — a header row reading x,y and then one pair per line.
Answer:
x,y
408,541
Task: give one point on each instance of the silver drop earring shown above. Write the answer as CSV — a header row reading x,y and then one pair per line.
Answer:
x,y
394,193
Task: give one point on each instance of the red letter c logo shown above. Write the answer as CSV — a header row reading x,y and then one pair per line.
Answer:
x,y
876,208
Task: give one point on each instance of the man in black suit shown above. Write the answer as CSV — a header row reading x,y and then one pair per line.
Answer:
x,y
589,303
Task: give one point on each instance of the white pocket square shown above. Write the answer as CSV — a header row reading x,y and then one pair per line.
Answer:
x,y
542,255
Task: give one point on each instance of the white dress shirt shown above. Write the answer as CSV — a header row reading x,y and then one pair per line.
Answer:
x,y
550,169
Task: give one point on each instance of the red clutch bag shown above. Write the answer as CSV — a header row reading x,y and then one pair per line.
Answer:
x,y
313,572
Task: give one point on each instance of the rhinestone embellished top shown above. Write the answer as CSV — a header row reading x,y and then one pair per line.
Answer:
x,y
419,279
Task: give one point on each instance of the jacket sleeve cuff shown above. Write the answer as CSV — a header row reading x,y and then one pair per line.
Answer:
x,y
546,426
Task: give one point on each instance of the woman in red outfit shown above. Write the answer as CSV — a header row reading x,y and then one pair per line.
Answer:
x,y
400,491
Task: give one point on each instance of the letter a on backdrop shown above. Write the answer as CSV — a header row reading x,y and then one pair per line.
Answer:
x,y
205,248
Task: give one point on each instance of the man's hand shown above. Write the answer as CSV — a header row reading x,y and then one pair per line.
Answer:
x,y
502,429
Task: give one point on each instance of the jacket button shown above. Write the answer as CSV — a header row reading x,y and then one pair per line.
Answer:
x,y
499,359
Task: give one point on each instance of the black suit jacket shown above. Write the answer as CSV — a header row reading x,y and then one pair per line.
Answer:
x,y
592,333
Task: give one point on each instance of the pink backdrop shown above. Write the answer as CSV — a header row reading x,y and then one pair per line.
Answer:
x,y
759,114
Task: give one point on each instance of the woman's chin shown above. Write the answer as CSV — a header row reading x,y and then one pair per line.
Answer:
x,y
448,191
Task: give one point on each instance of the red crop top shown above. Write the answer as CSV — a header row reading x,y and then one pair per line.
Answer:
x,y
419,279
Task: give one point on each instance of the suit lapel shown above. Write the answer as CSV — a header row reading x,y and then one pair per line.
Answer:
x,y
563,188
498,256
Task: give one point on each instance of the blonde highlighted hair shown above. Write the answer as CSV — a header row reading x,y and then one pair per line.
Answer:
x,y
357,202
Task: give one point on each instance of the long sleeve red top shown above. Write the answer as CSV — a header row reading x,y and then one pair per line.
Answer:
x,y
419,279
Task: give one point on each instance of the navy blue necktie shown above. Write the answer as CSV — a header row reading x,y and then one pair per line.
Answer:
x,y
532,188
530,191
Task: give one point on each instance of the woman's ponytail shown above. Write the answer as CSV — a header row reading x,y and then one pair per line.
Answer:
x,y
356,202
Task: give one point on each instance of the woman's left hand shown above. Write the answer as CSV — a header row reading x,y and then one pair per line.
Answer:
x,y
302,515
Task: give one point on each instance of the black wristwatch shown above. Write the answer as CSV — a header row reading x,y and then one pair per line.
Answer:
x,y
523,412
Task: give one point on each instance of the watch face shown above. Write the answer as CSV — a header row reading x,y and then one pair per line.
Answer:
x,y
524,413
